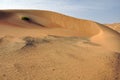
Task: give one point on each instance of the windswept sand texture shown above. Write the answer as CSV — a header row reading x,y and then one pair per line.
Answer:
x,y
52,46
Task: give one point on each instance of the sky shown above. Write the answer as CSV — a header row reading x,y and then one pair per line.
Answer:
x,y
103,11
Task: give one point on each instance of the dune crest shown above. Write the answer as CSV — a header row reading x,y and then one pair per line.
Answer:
x,y
49,20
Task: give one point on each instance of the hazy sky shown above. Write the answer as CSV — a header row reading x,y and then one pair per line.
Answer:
x,y
103,11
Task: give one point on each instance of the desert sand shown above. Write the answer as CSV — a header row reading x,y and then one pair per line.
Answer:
x,y
45,45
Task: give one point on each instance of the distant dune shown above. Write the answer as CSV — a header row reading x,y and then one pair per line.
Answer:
x,y
45,45
115,26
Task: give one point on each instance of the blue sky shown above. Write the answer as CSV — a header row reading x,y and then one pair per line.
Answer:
x,y
103,11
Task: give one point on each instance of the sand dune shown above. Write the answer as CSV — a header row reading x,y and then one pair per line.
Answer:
x,y
45,45
50,20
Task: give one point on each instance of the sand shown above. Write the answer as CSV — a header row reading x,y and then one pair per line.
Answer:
x,y
45,45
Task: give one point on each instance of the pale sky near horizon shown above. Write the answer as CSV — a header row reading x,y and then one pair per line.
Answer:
x,y
103,11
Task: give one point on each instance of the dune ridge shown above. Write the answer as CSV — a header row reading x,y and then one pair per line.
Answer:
x,y
51,19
